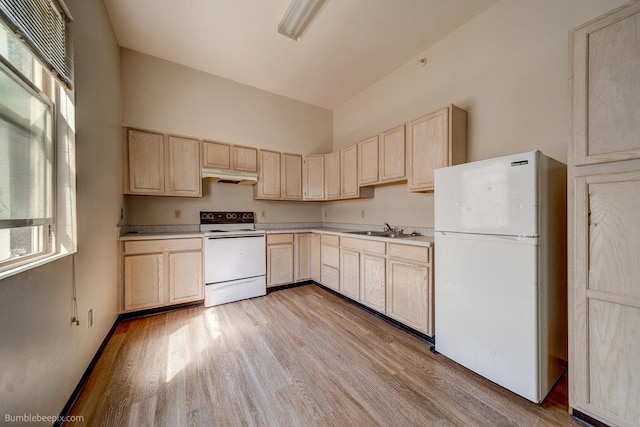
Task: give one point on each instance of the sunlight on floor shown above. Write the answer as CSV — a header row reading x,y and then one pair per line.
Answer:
x,y
189,342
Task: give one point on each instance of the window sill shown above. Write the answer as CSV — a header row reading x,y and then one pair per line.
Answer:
x,y
33,264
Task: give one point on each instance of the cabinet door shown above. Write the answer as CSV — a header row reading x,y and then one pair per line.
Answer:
x,y
407,294
427,146
332,175
245,159
216,155
313,177
184,167
268,186
146,168
291,179
349,172
350,273
605,352
372,281
607,88
368,161
143,281
185,277
315,258
392,155
279,264
302,257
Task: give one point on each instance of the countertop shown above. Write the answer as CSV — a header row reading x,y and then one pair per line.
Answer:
x,y
412,240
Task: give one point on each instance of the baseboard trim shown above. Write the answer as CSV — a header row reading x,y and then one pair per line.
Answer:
x,y
429,340
83,380
585,419
289,286
158,310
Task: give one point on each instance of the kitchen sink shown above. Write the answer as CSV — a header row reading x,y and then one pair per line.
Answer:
x,y
390,234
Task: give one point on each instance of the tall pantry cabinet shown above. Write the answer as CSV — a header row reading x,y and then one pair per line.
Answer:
x,y
604,233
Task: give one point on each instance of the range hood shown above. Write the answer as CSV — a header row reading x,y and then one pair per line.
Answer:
x,y
229,177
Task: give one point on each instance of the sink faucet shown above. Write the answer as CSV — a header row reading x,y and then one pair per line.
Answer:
x,y
387,227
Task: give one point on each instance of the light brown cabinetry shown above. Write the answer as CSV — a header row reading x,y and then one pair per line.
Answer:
x,y
332,175
219,155
349,172
289,258
362,271
244,159
302,257
162,165
434,141
315,257
410,287
382,159
279,176
162,272
269,176
313,177
291,179
330,261
280,256
604,229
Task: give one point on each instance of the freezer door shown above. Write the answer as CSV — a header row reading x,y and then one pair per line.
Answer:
x,y
496,196
486,311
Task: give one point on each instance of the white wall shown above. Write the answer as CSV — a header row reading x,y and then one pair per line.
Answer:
x,y
42,356
167,97
508,68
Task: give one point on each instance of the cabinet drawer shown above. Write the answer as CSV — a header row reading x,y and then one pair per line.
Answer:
x,y
169,245
330,277
414,253
330,255
273,239
364,245
328,239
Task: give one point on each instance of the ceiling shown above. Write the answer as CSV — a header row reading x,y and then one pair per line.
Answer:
x,y
350,44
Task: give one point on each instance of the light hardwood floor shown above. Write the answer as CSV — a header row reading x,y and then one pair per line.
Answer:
x,y
297,357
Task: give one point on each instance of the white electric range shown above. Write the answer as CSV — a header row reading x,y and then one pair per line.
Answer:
x,y
234,257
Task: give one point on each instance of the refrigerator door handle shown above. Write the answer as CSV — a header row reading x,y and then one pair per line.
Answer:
x,y
510,237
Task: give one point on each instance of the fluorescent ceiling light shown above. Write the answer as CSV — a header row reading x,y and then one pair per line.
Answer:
x,y
298,16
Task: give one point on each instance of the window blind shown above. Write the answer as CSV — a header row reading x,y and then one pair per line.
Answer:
x,y
44,27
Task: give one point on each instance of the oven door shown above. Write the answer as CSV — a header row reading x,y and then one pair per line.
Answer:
x,y
234,257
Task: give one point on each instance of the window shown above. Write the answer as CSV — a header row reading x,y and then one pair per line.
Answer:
x,y
37,159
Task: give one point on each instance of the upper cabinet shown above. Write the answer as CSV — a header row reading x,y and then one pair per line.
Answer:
x,y
606,71
216,155
313,177
349,172
219,155
435,141
279,176
291,176
381,159
162,165
268,186
332,175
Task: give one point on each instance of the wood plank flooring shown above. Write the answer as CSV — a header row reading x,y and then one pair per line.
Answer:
x,y
297,357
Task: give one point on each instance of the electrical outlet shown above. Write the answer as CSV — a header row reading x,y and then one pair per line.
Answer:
x,y
90,318
362,213
177,214
324,214
263,214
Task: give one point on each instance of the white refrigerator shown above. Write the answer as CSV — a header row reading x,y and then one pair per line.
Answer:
x,y
500,270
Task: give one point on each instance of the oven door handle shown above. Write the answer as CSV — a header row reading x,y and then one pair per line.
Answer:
x,y
235,237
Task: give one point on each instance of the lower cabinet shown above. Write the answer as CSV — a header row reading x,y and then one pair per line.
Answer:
x,y
330,261
280,250
289,258
410,287
315,257
362,271
162,272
